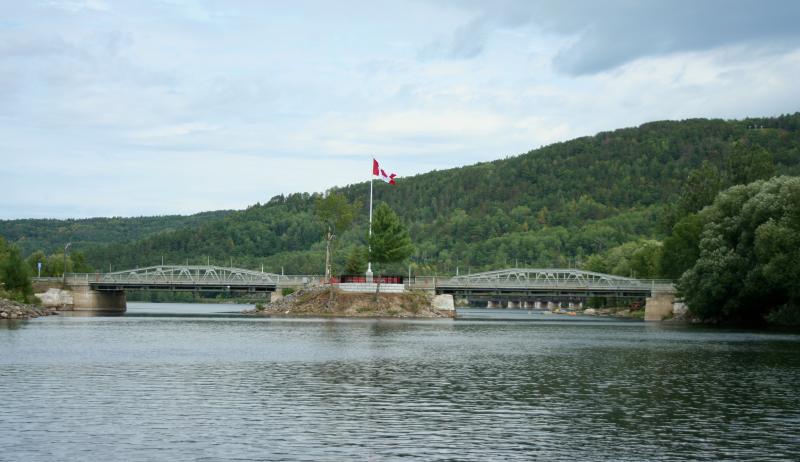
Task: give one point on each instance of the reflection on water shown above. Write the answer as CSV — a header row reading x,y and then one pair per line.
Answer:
x,y
158,383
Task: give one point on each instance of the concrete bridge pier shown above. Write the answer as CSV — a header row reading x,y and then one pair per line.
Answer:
x,y
492,304
512,305
551,306
86,299
537,305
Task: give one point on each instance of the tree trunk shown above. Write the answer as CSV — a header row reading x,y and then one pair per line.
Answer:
x,y
328,271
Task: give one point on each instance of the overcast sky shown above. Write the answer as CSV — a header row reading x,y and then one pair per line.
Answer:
x,y
123,108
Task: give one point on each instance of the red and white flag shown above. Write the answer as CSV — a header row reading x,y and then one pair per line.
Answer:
x,y
381,173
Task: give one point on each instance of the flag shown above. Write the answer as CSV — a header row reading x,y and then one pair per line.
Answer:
x,y
381,173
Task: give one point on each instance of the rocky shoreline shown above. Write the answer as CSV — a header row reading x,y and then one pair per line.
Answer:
x,y
10,309
322,302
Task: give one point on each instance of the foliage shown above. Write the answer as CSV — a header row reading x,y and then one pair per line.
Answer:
x,y
14,272
749,263
357,260
50,235
389,242
336,214
682,248
640,259
287,291
53,265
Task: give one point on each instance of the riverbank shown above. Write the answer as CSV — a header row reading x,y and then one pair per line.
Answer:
x,y
10,309
324,302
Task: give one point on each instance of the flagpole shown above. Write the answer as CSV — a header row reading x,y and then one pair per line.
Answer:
x,y
369,248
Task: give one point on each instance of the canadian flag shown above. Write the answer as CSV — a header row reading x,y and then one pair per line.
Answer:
x,y
381,173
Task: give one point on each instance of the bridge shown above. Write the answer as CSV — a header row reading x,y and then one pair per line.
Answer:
x,y
180,278
552,281
516,287
549,287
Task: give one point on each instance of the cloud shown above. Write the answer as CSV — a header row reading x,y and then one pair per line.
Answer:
x,y
598,36
77,6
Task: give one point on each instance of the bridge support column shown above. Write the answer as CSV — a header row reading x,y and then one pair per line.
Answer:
x,y
537,305
513,305
86,299
551,306
492,304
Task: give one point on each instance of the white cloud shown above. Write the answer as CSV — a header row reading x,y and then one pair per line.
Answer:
x,y
76,6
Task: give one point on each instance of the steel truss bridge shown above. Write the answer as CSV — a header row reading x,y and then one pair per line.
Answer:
x,y
181,278
549,282
507,283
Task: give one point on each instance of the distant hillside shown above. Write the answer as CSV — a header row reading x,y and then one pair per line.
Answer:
x,y
553,206
50,235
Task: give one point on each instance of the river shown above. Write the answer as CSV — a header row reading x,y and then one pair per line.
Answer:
x,y
199,382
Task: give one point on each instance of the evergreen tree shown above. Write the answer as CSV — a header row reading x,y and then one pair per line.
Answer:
x,y
390,242
356,261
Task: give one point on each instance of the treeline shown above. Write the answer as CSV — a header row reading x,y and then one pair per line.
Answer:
x,y
50,235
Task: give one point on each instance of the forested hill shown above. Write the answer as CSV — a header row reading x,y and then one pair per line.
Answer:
x,y
50,235
553,206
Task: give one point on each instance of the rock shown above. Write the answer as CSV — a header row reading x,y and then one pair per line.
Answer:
x,y
679,309
3,315
56,298
590,311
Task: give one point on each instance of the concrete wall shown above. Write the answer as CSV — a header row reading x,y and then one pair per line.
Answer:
x,y
443,302
370,287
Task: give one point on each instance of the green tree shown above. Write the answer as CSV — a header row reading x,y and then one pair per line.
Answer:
x,y
639,259
682,247
748,270
356,260
33,260
701,187
390,242
336,214
15,275
749,163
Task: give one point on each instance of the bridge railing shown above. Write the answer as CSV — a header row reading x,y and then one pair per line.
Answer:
x,y
188,279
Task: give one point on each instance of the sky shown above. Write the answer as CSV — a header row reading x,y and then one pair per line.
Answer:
x,y
131,108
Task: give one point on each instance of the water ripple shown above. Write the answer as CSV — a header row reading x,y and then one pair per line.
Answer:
x,y
145,388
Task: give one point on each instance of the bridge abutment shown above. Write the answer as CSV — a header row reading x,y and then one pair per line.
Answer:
x,y
658,306
86,299
83,298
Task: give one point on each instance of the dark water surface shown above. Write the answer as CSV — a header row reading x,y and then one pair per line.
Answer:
x,y
161,383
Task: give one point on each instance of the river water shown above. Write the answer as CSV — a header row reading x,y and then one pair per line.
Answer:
x,y
198,382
